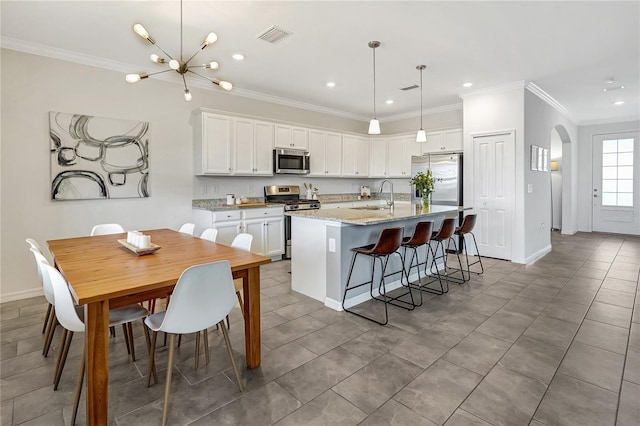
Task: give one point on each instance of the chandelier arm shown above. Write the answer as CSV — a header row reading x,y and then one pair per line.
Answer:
x,y
185,82
193,56
163,51
213,80
158,72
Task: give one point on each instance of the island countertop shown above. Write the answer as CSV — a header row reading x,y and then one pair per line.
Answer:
x,y
365,216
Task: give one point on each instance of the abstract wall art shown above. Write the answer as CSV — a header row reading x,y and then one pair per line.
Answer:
x,y
95,157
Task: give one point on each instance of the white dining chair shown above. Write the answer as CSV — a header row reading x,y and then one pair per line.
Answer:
x,y
202,297
67,315
34,244
187,228
50,321
209,234
107,229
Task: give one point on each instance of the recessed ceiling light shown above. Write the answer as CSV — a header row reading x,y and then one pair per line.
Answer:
x,y
618,102
238,56
609,80
389,101
467,85
331,84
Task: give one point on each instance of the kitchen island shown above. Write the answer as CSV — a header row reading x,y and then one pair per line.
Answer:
x,y
322,241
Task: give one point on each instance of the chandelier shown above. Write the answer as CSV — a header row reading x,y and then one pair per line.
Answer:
x,y
181,66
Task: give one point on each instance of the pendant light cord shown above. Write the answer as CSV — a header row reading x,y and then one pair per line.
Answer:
x,y
374,82
181,31
421,99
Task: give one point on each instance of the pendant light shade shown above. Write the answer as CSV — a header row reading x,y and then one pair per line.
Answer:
x,y
421,136
374,124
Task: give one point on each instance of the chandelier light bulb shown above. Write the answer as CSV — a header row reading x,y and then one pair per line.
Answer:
x,y
226,85
141,31
421,136
187,95
157,59
212,65
174,65
132,78
211,38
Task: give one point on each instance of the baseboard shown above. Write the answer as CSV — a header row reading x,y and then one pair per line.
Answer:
x,y
336,305
538,254
19,295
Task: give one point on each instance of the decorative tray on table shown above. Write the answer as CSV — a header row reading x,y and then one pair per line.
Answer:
x,y
140,251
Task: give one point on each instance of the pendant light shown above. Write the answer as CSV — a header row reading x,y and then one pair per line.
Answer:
x,y
374,124
422,135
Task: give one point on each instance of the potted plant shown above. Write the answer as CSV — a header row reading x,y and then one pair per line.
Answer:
x,y
423,183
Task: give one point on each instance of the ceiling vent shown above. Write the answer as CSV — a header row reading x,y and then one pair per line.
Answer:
x,y
415,86
273,34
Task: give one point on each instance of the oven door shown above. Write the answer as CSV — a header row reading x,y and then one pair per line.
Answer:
x,y
291,161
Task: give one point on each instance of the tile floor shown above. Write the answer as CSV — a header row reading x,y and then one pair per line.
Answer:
x,y
556,342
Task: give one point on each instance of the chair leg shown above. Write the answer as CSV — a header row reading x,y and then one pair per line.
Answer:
x,y
112,331
53,323
63,340
47,318
240,302
63,359
167,387
126,337
151,368
197,348
76,399
233,361
475,243
206,346
131,344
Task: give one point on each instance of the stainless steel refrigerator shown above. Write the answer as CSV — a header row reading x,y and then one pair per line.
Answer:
x,y
446,170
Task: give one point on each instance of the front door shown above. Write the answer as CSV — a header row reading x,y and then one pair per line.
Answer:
x,y
493,192
616,183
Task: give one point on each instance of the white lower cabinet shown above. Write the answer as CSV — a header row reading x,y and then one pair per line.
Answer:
x,y
265,224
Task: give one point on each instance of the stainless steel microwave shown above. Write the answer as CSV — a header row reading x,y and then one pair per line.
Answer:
x,y
291,161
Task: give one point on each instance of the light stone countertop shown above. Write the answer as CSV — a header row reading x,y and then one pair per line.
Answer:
x,y
355,216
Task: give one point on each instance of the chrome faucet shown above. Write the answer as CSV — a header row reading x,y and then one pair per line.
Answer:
x,y
390,201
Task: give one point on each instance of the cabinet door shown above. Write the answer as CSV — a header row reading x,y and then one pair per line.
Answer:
x,y
362,157
274,236
256,227
282,136
396,158
378,156
333,154
453,140
263,148
349,152
434,143
227,231
243,146
300,138
411,147
317,152
216,144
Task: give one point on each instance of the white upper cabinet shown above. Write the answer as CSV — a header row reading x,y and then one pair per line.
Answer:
x,y
443,141
291,137
325,151
212,144
378,157
355,156
253,147
399,152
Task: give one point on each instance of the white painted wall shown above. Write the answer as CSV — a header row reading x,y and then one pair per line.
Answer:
x,y
585,159
33,85
556,180
540,121
493,111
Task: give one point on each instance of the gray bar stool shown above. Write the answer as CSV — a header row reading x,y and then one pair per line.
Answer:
x,y
468,223
388,244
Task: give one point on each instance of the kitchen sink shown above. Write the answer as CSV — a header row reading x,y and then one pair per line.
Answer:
x,y
370,208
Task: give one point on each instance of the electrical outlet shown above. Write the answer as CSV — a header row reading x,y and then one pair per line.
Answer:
x,y
251,189
215,189
332,245
203,189
530,188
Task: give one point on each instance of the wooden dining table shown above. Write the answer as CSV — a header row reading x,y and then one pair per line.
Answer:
x,y
103,275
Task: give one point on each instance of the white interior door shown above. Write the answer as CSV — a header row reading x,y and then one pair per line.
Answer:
x,y
493,193
616,183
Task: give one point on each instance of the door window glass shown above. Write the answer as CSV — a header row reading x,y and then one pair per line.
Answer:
x,y
617,172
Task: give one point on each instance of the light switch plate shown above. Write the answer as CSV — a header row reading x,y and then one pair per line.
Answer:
x,y
530,188
332,245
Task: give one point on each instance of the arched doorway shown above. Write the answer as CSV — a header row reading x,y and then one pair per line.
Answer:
x,y
560,178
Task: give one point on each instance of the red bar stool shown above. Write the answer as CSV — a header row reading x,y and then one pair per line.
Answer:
x,y
421,236
444,234
468,223
388,244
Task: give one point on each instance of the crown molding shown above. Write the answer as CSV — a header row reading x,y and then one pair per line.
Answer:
x,y
93,61
499,88
619,120
536,90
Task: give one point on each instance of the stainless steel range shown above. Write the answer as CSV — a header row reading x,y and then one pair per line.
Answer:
x,y
289,195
